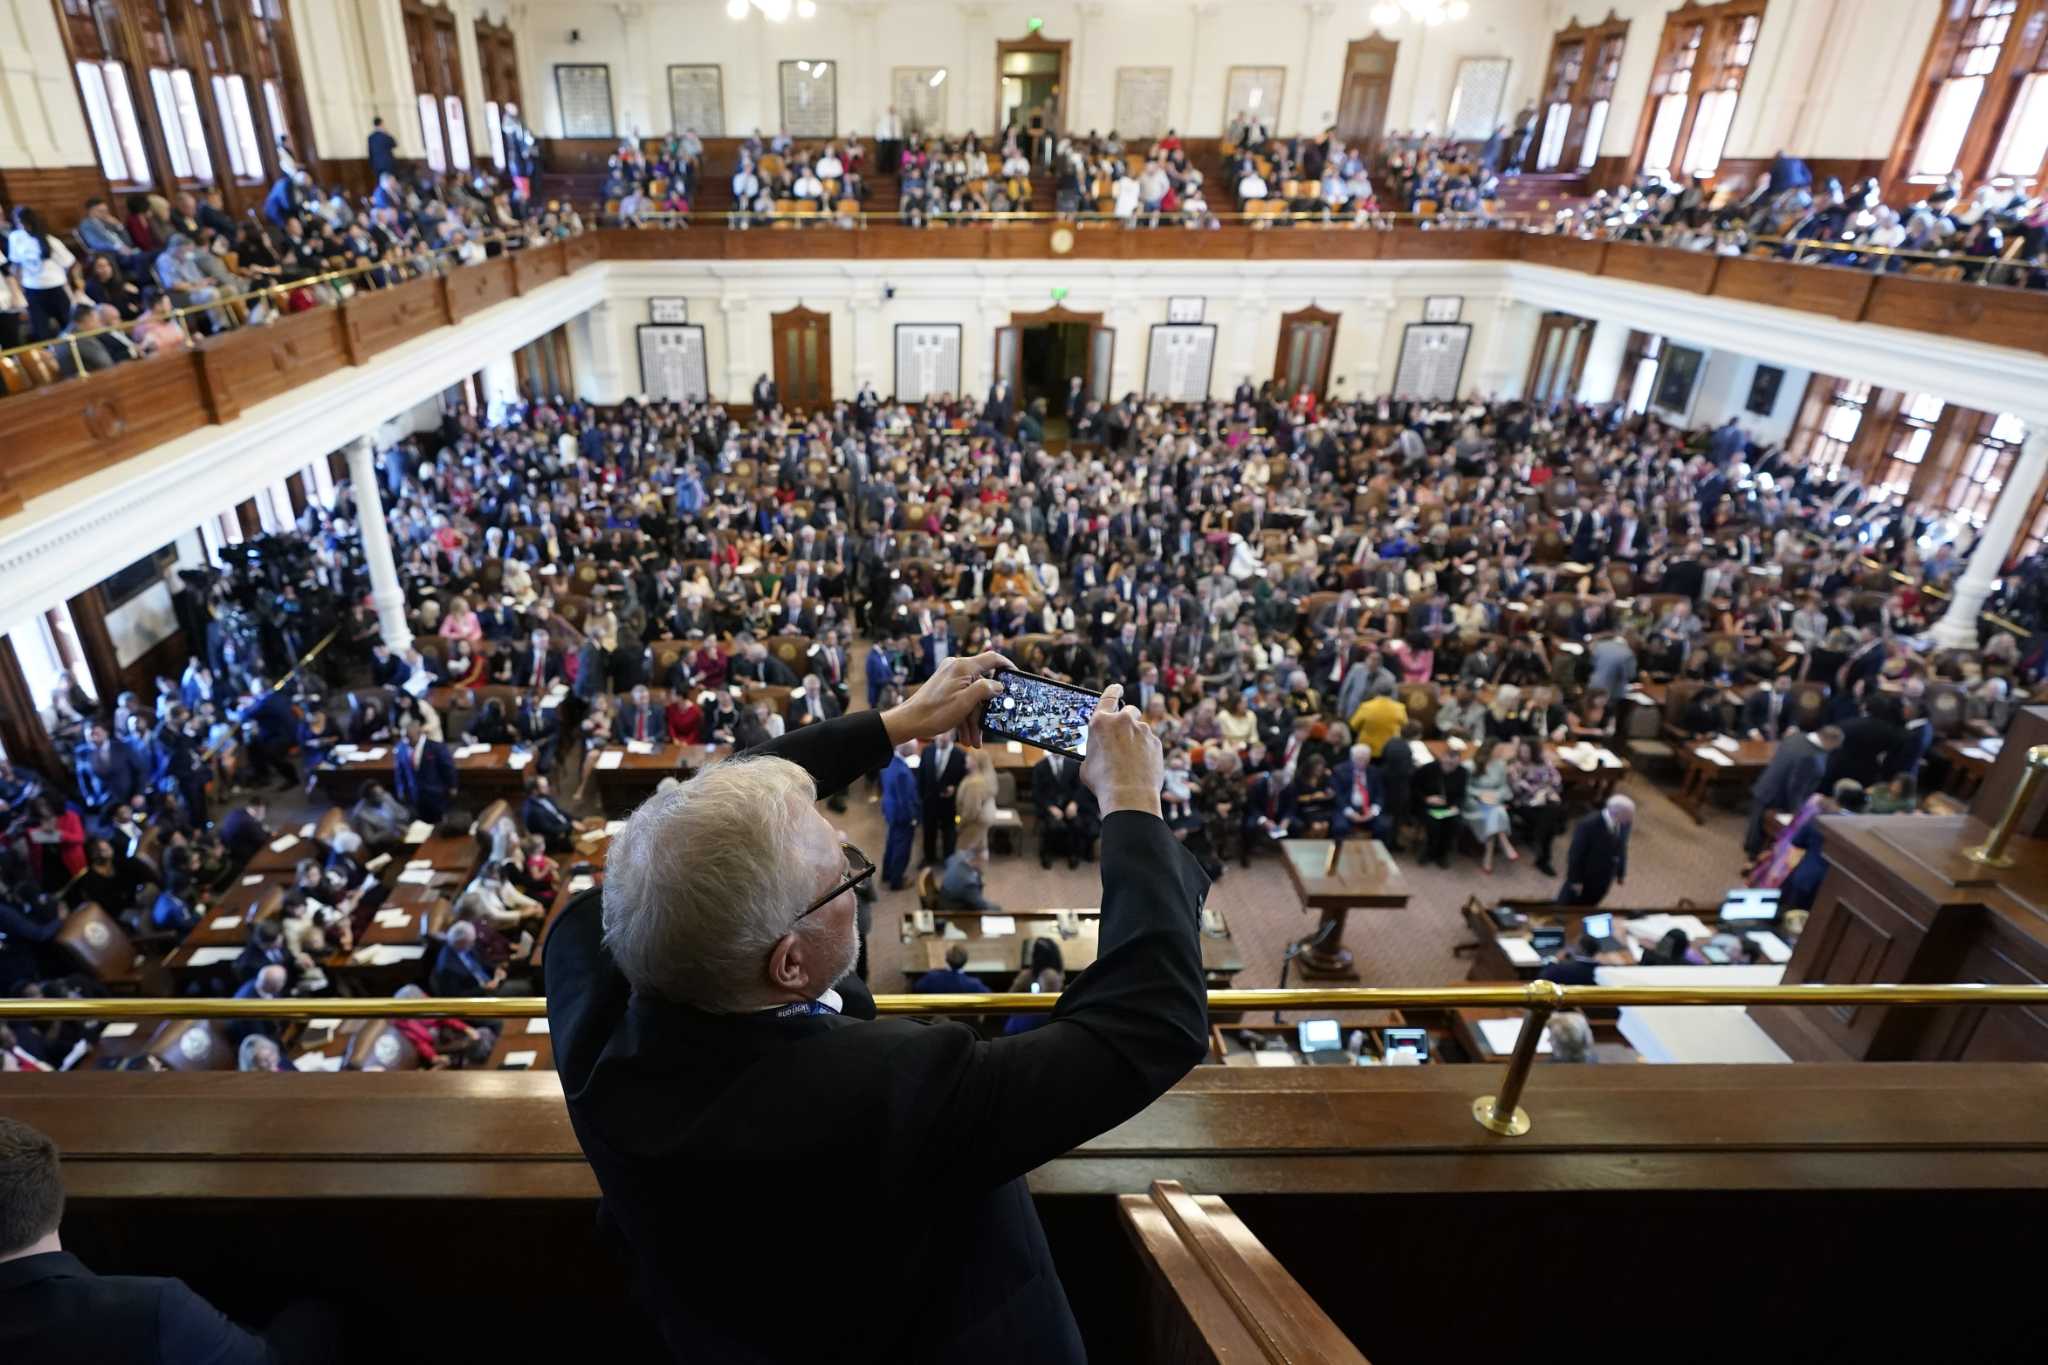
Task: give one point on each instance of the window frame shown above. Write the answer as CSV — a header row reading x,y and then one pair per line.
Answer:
x,y
2002,46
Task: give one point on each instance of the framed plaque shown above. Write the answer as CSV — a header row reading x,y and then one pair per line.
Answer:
x,y
584,92
696,99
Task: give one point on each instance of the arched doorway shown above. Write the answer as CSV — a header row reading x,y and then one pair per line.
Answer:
x,y
1368,80
1041,354
1308,338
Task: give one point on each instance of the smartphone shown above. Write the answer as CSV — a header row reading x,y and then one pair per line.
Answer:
x,y
1036,710
1413,1040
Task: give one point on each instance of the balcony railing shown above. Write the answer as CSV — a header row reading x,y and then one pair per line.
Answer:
x,y
1500,1112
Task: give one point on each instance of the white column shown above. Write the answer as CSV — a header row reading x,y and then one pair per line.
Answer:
x,y
740,371
1368,360
501,386
389,89
603,372
385,593
470,63
1316,11
1247,326
1957,628
870,347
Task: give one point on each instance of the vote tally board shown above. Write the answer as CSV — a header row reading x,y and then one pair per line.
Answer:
x,y
672,363
1178,366
1432,360
927,360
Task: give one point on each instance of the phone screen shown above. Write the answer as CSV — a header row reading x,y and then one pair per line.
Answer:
x,y
1413,1039
1042,712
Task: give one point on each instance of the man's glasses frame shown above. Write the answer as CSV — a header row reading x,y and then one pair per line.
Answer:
x,y
858,870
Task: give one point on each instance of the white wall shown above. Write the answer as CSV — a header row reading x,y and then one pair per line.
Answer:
x,y
734,302
1723,392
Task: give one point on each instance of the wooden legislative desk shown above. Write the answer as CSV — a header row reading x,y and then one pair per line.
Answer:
x,y
488,772
1363,876
1902,903
997,958
1745,763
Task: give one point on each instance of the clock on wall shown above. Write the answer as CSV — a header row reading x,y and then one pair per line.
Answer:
x,y
1062,240
1442,308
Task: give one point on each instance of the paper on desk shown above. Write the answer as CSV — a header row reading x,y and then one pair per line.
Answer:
x,y
1794,647
1642,698
313,1061
1419,754
1712,755
995,926
518,760
1274,1057
226,922
394,918
1014,747
1520,952
1571,646
306,830
1608,758
212,957
637,746
514,1060
253,879
369,755
416,876
1650,928
547,568
611,758
418,683
1725,744
1775,949
124,1028
550,702
327,1024
283,842
1518,606
536,1026
1980,754
1502,1034
951,930
378,863
418,832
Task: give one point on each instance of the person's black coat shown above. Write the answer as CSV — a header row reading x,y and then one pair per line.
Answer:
x,y
543,816
930,777
54,1311
1598,859
687,1116
1873,750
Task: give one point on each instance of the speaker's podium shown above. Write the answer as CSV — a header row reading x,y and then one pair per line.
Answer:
x,y
1904,902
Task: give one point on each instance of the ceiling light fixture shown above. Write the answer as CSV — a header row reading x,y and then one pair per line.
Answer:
x,y
1430,13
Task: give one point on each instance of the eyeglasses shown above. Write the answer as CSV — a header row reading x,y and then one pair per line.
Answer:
x,y
858,870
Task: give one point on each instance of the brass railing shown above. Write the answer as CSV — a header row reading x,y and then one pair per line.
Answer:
x,y
1499,1112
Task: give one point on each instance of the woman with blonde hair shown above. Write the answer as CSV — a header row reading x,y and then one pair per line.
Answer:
x,y
977,799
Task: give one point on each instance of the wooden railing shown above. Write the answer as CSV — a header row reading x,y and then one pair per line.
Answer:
x,y
72,429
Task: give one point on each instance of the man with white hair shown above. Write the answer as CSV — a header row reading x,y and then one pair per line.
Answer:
x,y
1599,853
727,1078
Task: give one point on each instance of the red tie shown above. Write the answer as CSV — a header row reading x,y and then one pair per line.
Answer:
x,y
540,670
642,723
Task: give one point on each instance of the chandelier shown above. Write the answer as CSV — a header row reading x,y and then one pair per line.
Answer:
x,y
1428,12
774,11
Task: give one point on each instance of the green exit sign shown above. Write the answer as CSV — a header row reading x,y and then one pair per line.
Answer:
x,y
1058,293
1033,24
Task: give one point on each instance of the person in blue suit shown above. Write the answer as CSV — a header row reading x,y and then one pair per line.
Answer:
x,y
107,772
424,775
176,910
270,727
900,807
881,670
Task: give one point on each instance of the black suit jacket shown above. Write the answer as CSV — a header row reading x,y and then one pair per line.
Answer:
x,y
1598,856
686,1116
53,1311
930,778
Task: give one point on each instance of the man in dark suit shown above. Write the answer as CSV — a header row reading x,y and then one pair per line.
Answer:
x,y
640,720
812,704
423,775
1066,810
386,668
940,771
1874,746
242,831
687,1084
1000,408
1360,800
1599,853
53,1309
270,727
536,664
459,969
107,772
1792,775
383,151
1767,710
543,815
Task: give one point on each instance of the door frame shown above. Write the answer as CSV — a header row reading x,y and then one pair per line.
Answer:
x,y
1056,314
1036,42
1304,315
1372,41
1580,339
788,320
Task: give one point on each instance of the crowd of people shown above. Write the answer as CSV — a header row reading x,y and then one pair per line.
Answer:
x,y
1269,579
156,273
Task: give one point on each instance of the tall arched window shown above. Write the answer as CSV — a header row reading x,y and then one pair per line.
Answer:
x,y
1981,104
1584,60
1702,61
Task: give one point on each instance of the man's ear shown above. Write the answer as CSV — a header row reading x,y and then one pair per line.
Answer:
x,y
786,966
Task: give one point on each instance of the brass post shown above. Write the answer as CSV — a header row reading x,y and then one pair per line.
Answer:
x,y
1503,1114
1991,853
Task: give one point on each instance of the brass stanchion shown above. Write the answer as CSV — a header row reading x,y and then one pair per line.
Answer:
x,y
1991,853
1503,1113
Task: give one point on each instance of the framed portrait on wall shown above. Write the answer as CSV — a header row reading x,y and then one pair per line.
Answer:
x,y
1677,376
1763,390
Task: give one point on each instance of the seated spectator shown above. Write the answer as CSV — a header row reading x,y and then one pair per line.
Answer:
x,y
159,331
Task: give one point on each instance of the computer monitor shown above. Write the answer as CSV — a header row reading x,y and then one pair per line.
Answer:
x,y
1546,941
1320,1035
1750,905
1597,926
1415,1040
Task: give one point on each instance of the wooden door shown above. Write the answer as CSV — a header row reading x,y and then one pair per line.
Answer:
x,y
1308,338
1368,77
803,358
1559,359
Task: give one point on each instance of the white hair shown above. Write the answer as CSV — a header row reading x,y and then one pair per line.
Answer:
x,y
1571,1037
245,1057
1622,808
705,878
345,841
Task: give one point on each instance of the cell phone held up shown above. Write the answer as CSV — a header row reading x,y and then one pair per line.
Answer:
x,y
1036,710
